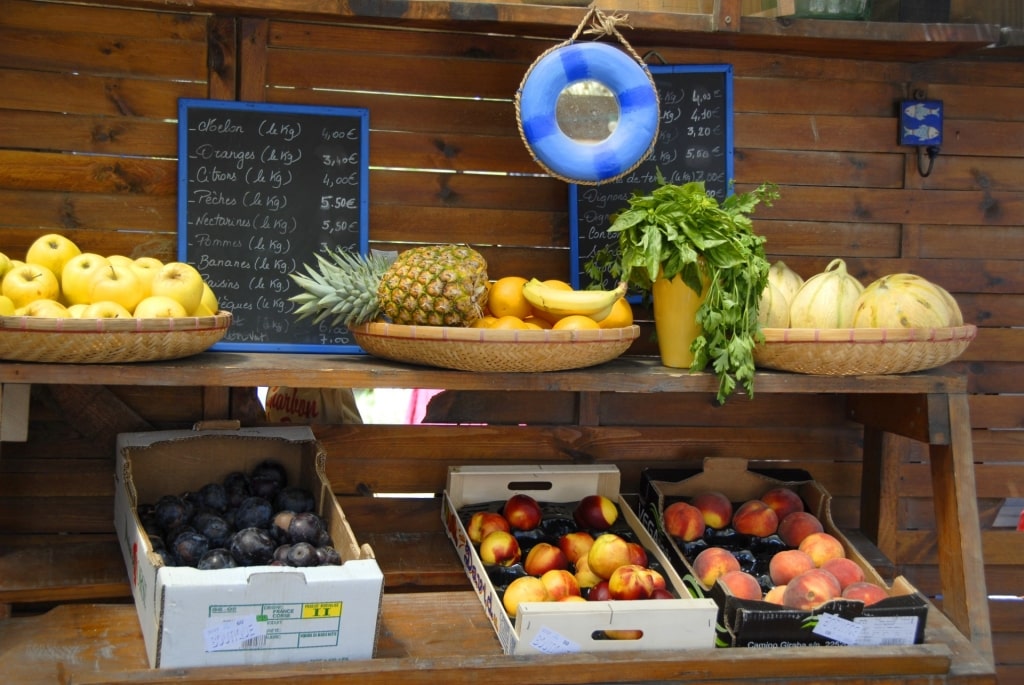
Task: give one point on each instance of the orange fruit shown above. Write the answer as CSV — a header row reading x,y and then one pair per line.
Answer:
x,y
484,321
575,322
620,316
506,298
508,322
538,322
554,283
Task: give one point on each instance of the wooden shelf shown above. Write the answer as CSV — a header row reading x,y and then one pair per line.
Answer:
x,y
726,30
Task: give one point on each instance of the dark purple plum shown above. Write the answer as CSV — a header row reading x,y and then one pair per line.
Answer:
x,y
328,556
268,478
170,512
212,497
302,554
294,498
252,547
213,527
254,512
279,525
189,547
236,488
281,553
216,558
306,527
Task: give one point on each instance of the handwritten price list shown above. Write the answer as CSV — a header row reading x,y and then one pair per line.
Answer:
x,y
262,189
694,144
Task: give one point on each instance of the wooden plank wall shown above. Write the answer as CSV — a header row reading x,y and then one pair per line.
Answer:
x,y
87,148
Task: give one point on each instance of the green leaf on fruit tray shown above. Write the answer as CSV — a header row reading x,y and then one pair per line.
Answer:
x,y
810,624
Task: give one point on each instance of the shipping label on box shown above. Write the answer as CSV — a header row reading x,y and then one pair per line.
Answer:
x,y
899,619
250,614
566,627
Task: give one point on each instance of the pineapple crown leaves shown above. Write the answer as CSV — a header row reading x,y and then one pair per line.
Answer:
x,y
344,287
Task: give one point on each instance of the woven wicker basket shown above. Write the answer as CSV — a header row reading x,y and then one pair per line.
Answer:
x,y
861,351
105,341
480,349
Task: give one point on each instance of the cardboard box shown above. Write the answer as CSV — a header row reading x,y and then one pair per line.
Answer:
x,y
249,615
559,627
900,619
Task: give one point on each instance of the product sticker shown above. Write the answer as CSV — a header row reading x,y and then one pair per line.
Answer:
x,y
551,642
246,627
837,628
887,630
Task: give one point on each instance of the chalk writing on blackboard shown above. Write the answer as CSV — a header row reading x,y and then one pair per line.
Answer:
x,y
694,144
262,188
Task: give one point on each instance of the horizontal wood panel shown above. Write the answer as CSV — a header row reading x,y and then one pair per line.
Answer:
x,y
147,24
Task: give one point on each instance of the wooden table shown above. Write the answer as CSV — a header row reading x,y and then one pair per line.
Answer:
x,y
441,634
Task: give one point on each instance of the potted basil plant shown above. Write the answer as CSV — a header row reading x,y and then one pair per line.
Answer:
x,y
679,238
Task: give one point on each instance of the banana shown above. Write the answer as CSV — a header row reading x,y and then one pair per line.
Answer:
x,y
597,304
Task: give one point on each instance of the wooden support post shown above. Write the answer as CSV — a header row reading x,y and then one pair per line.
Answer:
x,y
14,401
726,15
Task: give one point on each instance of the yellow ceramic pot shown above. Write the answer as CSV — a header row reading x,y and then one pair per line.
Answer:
x,y
675,320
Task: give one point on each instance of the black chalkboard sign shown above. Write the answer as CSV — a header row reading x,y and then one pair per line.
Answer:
x,y
694,144
262,188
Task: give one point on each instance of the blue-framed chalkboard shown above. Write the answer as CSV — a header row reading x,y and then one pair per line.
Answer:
x,y
262,188
694,144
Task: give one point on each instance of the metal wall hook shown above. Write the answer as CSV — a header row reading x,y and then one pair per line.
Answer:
x,y
933,152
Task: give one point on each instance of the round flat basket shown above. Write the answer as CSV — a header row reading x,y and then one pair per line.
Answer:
x,y
107,341
480,349
861,351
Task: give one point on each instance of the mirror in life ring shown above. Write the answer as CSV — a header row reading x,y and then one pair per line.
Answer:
x,y
588,112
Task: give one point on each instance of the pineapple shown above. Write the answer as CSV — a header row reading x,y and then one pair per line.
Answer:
x,y
433,285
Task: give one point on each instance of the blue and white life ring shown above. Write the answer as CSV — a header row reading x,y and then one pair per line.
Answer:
x,y
585,162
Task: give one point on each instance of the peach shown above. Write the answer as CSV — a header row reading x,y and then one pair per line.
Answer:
x,y
595,512
522,512
637,554
586,578
847,571
788,564
483,522
866,592
575,544
775,594
630,582
755,518
715,507
684,521
798,525
608,552
783,501
560,584
500,548
712,563
544,557
822,547
741,585
523,589
810,590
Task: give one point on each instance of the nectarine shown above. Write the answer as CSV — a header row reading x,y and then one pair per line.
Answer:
x,y
630,582
595,512
560,584
522,512
575,544
500,548
608,552
544,557
523,589
483,522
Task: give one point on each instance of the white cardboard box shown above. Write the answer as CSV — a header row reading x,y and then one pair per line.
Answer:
x,y
557,627
250,615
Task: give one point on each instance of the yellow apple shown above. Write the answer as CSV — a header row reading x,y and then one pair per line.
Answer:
x,y
29,282
116,283
159,307
146,268
76,310
76,281
180,281
52,251
5,264
105,309
45,308
120,259
6,306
